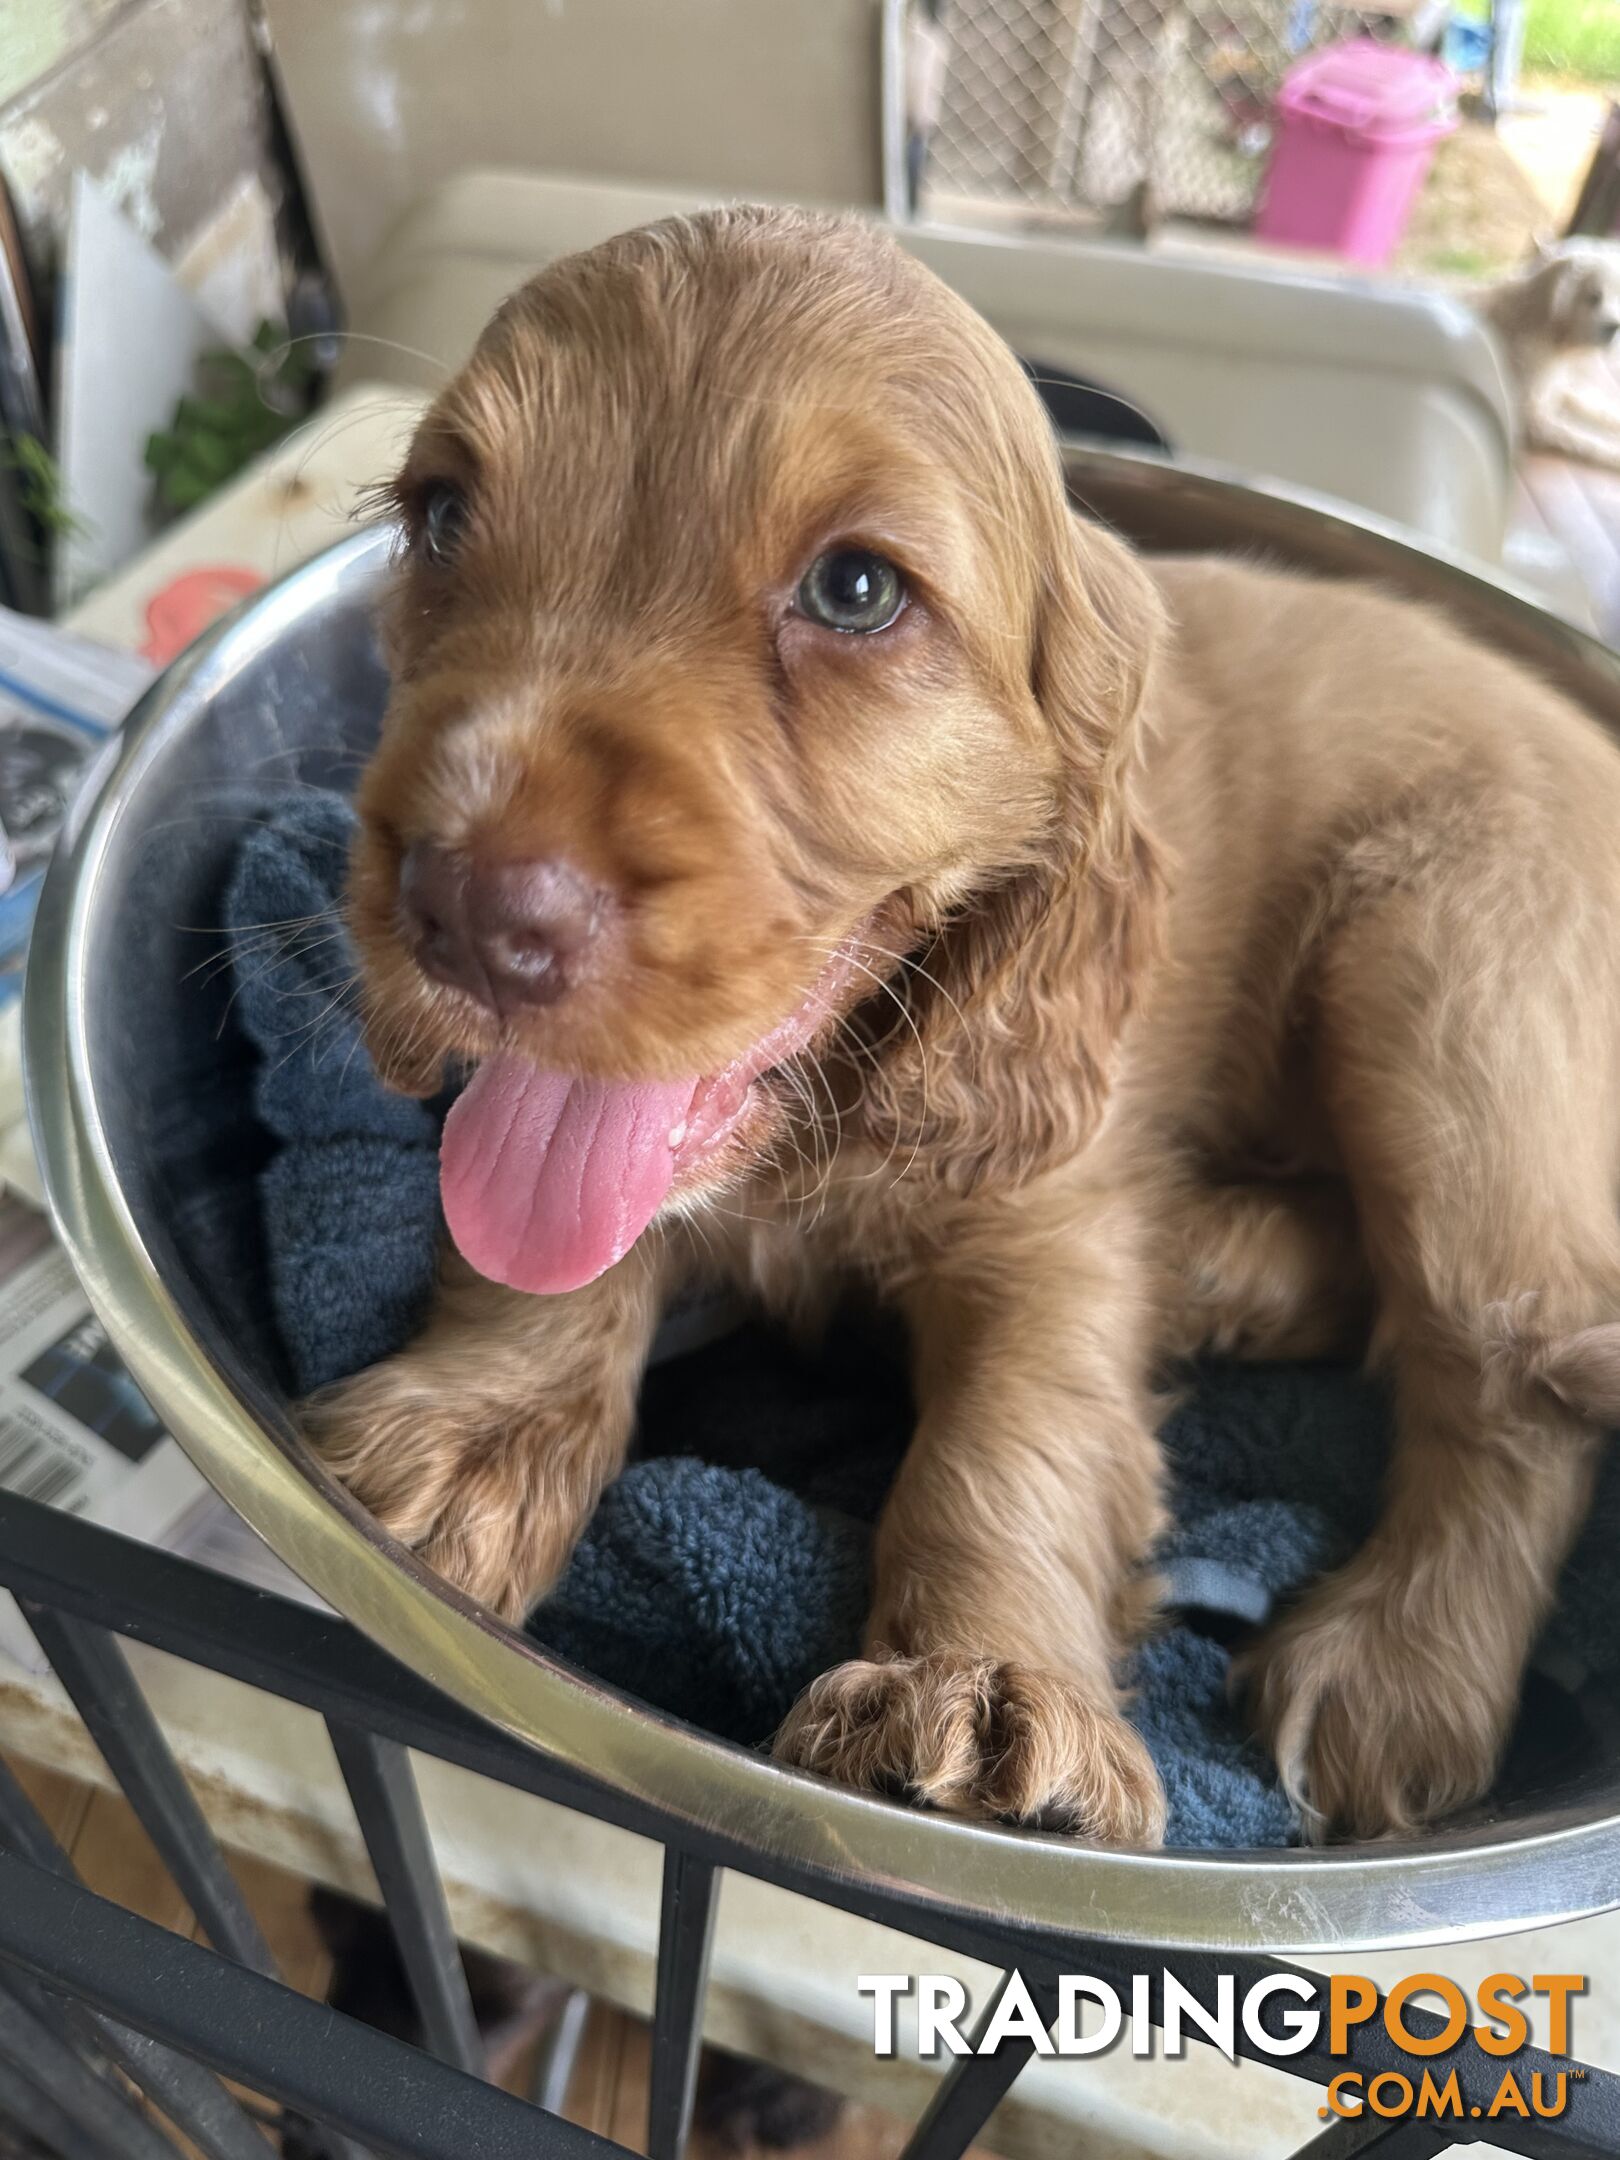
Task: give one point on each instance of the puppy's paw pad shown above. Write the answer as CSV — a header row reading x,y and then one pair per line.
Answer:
x,y
469,1501
971,1736
1375,1730
381,1440
1059,1761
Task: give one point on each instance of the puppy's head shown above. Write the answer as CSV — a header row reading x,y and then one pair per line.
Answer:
x,y
1581,280
742,639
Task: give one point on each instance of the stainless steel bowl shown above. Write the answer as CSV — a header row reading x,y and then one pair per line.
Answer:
x,y
120,1029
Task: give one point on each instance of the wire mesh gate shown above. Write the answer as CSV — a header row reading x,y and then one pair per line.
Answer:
x,y
115,2033
1079,105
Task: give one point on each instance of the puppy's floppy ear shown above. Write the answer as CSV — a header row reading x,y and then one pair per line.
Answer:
x,y
1033,980
1098,631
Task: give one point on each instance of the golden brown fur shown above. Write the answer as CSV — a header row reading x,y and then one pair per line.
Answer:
x,y
1242,967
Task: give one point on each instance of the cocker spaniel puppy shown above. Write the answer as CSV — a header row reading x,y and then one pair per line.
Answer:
x,y
1553,322
844,864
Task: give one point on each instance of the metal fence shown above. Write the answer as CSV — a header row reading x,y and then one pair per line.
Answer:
x,y
115,2034
1085,106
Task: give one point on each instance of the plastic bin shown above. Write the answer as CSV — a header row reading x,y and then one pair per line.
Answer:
x,y
1356,129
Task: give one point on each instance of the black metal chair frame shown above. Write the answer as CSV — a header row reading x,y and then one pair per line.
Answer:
x,y
1597,209
95,2001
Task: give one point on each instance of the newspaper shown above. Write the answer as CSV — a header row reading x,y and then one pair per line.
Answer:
x,y
77,692
75,1430
77,1433
60,698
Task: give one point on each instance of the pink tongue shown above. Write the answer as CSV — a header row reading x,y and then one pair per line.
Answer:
x,y
546,1180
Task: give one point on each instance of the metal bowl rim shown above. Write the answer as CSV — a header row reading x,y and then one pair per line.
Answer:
x,y
782,1824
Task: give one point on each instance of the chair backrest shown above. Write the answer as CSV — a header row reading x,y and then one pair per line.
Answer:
x,y
1390,398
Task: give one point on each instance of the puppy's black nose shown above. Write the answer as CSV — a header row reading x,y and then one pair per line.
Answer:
x,y
510,934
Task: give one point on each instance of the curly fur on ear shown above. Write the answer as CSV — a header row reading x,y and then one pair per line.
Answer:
x,y
1040,972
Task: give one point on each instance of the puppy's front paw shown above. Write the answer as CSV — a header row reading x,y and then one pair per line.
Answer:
x,y
484,1501
1001,1742
1378,1723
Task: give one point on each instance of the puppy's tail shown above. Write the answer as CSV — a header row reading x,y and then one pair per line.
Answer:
x,y
1583,1371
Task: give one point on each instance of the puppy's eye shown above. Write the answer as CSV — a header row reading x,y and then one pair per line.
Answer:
x,y
852,589
444,520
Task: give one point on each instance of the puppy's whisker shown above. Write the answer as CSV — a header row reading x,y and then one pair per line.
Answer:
x,y
827,953
833,1140
306,1036
271,922
322,988
905,1013
815,1172
237,949
915,967
279,945
273,358
266,967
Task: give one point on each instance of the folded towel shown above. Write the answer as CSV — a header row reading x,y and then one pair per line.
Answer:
x,y
350,1198
729,1563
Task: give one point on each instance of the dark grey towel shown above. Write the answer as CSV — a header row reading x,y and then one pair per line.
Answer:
x,y
728,1565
